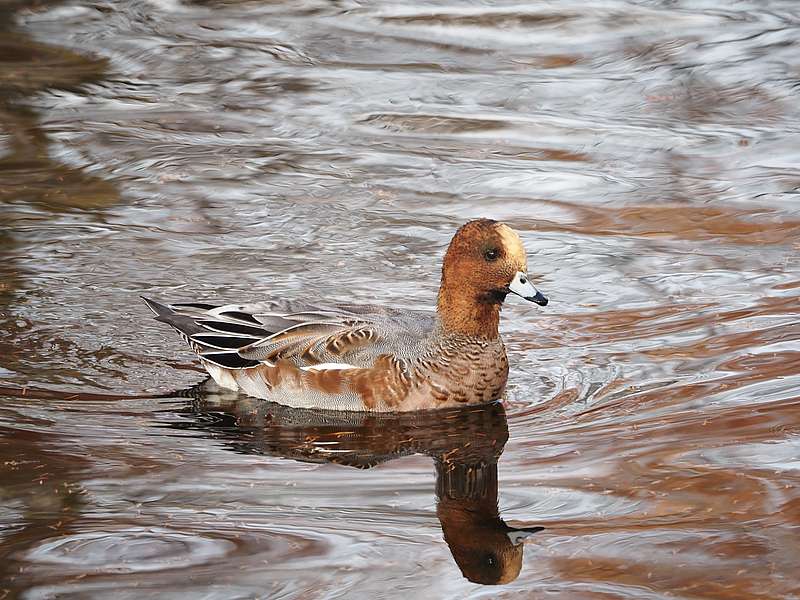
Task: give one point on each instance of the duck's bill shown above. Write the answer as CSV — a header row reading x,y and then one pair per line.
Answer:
x,y
517,536
522,287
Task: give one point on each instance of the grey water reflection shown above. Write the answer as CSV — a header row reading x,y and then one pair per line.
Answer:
x,y
35,186
465,445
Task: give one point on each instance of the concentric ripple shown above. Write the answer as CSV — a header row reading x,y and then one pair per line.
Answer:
x,y
130,550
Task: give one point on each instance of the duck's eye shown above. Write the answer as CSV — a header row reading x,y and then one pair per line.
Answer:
x,y
491,254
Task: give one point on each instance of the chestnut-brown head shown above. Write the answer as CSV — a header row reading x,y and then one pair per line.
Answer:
x,y
484,263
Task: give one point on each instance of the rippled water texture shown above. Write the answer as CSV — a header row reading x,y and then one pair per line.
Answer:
x,y
646,151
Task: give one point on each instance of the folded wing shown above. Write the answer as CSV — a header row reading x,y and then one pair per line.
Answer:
x,y
339,336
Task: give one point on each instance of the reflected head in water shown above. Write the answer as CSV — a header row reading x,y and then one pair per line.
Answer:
x,y
464,443
485,548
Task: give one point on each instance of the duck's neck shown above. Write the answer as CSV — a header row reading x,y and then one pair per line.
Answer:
x,y
465,313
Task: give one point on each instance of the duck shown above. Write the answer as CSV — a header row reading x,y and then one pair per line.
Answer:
x,y
353,357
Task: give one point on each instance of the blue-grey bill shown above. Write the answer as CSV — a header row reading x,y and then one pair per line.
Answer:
x,y
522,287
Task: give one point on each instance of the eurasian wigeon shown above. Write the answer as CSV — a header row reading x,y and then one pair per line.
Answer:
x,y
361,357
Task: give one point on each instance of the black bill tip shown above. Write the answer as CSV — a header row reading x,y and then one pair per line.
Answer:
x,y
538,298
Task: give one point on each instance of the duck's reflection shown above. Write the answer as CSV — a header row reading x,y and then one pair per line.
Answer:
x,y
486,549
464,443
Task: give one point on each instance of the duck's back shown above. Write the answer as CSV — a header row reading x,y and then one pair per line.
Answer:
x,y
240,344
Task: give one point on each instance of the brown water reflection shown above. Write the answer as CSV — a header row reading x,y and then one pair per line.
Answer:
x,y
44,487
27,170
647,152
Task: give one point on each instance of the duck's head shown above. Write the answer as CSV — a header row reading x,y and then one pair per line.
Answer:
x,y
488,552
484,263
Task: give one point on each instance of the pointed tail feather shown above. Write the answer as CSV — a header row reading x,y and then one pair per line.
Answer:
x,y
215,341
157,308
165,314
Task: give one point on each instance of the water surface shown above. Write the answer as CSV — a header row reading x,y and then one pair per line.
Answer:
x,y
647,153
